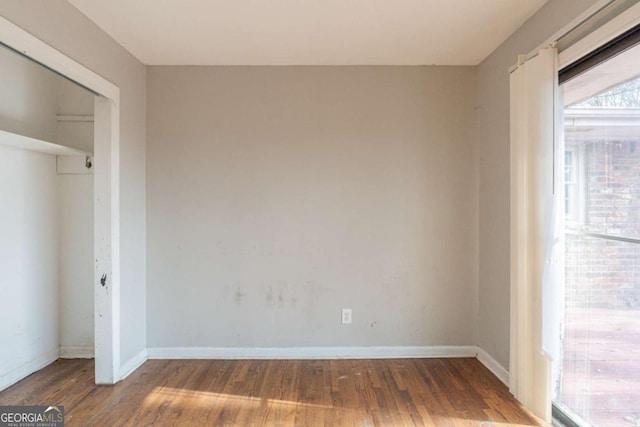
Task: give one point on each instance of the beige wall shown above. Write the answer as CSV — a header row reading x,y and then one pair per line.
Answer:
x,y
265,185
493,137
62,26
28,97
278,195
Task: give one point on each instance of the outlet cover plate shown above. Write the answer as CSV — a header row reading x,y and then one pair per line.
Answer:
x,y
346,316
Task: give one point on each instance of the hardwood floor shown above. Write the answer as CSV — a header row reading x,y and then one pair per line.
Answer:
x,y
398,392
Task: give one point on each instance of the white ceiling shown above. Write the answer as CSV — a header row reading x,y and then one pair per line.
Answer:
x,y
309,32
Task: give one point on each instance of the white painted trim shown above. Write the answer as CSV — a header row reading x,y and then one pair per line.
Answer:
x,y
29,45
106,192
27,369
75,118
241,353
132,364
22,142
492,364
315,353
76,352
618,25
106,184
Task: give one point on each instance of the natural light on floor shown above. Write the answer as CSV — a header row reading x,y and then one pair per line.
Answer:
x,y
242,409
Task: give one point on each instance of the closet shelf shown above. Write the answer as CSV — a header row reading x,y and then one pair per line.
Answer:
x,y
74,118
10,139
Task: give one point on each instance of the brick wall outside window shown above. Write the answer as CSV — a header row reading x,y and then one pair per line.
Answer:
x,y
604,273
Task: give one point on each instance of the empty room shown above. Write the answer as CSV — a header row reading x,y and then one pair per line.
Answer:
x,y
320,213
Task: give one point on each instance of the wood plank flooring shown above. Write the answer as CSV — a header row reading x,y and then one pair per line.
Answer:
x,y
398,392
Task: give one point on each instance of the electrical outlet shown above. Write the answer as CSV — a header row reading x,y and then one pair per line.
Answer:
x,y
346,316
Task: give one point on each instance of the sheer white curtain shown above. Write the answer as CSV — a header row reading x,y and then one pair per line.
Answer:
x,y
536,245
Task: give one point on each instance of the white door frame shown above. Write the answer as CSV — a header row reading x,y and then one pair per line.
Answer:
x,y
106,192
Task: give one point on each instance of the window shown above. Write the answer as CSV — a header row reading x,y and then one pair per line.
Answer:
x,y
599,382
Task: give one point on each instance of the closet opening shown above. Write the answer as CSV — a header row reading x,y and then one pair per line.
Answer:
x,y
106,196
46,218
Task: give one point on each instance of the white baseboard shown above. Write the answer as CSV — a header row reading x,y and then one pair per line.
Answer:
x,y
76,352
132,364
492,364
309,352
15,375
241,353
